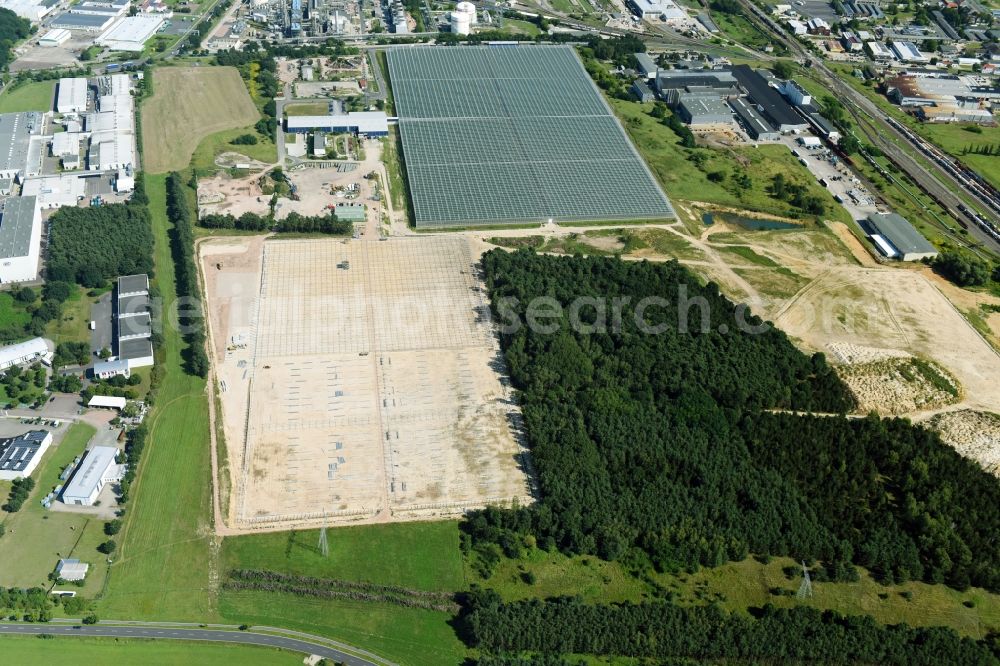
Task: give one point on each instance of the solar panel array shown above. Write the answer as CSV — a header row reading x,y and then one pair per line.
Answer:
x,y
496,135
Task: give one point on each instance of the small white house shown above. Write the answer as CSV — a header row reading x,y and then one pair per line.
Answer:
x,y
71,570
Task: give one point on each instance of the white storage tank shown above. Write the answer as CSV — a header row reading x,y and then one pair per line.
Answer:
x,y
460,24
469,9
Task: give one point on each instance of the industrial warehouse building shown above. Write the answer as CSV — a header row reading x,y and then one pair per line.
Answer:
x,y
82,22
55,191
72,95
664,10
670,84
133,322
537,143
112,126
55,37
755,124
362,123
19,456
35,349
96,471
779,113
896,238
131,33
703,110
109,369
20,239
16,130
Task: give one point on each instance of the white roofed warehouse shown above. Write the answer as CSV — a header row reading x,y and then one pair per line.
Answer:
x,y
896,238
131,33
72,96
20,239
96,471
35,349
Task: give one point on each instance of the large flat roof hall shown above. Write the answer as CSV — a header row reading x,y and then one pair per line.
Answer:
x,y
514,134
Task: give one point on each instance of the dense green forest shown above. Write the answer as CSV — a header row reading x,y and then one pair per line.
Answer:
x,y
911,506
664,630
12,30
93,245
658,449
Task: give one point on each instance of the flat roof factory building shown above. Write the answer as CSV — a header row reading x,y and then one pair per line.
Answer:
x,y
896,238
19,455
755,125
96,471
131,33
16,130
665,10
20,239
133,324
82,22
769,101
364,123
701,110
72,95
35,349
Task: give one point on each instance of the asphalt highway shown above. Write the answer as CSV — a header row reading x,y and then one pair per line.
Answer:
x,y
188,634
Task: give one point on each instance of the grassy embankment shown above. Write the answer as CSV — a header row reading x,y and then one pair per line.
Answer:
x,y
689,178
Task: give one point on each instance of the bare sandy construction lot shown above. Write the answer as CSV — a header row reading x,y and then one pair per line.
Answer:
x,y
359,381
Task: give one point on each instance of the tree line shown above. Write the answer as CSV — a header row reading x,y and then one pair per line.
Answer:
x,y
293,223
663,630
186,275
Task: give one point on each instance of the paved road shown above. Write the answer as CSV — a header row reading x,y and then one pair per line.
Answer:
x,y
178,633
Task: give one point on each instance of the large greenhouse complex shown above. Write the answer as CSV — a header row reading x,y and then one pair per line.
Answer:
x,y
514,134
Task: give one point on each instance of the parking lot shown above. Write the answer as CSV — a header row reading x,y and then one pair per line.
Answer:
x,y
838,179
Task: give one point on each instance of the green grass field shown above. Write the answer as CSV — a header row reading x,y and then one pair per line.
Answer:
x,y
12,313
203,158
737,586
18,650
162,568
422,556
405,635
187,105
73,324
307,109
37,537
682,180
35,96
